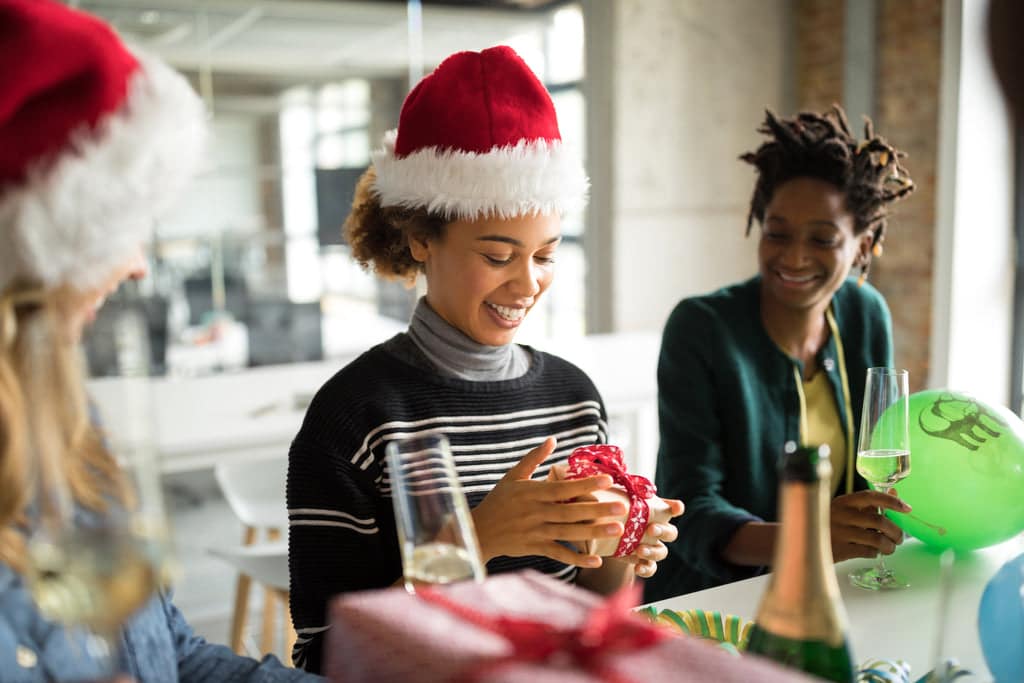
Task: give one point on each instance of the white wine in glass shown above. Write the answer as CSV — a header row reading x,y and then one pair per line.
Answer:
x,y
94,569
883,467
440,563
94,578
883,453
435,530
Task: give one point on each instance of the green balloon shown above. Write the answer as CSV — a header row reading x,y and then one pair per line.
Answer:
x,y
966,481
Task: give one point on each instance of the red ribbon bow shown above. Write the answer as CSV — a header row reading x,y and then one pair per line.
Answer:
x,y
586,461
608,629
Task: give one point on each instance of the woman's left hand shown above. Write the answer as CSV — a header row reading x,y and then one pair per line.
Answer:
x,y
646,557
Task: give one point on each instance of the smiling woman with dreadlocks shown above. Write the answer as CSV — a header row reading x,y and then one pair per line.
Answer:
x,y
780,357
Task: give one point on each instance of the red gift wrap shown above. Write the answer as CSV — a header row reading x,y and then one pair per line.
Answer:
x,y
588,461
517,628
638,492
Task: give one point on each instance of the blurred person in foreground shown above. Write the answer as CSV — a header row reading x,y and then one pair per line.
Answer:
x,y
95,140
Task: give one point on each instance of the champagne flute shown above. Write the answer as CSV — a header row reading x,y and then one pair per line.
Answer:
x,y
435,530
92,564
883,453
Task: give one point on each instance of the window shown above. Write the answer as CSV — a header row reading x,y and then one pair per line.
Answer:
x,y
252,268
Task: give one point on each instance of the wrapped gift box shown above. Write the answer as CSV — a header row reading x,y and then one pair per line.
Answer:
x,y
606,547
390,635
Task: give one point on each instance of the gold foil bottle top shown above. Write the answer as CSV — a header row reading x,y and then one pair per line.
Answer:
x,y
802,600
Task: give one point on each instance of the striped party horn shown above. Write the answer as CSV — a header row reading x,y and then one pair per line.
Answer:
x,y
724,628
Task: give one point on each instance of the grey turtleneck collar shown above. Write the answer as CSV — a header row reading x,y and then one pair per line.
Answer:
x,y
456,355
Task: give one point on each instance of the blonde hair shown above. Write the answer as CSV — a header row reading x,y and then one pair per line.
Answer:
x,y
43,409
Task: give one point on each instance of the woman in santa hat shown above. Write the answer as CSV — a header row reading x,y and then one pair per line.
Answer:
x,y
469,191
95,141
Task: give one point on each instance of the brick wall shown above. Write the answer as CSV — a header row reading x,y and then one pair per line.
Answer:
x,y
907,91
819,53
908,60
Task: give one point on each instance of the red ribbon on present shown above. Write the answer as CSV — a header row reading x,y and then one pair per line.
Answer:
x,y
608,630
587,461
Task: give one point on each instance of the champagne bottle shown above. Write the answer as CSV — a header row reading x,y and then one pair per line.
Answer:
x,y
801,622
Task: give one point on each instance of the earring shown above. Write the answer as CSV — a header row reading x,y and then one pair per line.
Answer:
x,y
863,277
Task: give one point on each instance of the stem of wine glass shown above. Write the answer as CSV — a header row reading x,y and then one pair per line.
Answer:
x,y
881,558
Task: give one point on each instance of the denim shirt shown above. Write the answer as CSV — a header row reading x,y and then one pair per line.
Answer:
x,y
157,646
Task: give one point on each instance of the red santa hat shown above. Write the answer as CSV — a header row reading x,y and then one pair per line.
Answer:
x,y
95,141
476,138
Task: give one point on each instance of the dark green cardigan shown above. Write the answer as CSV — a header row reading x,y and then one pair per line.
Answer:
x,y
727,402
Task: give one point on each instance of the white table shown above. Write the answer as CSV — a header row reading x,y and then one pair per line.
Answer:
x,y
892,624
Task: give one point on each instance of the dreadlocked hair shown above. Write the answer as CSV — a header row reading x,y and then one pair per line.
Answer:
x,y
821,146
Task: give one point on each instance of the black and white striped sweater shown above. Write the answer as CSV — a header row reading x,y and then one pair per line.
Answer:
x,y
342,531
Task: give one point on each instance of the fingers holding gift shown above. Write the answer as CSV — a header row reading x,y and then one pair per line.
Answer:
x,y
565,554
521,518
675,507
641,510
531,461
652,549
645,559
645,568
580,531
582,512
661,531
651,552
568,489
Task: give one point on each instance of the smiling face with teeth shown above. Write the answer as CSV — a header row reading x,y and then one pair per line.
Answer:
x,y
483,276
808,246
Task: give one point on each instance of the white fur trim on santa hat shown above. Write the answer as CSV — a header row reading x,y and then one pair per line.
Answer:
x,y
533,177
75,220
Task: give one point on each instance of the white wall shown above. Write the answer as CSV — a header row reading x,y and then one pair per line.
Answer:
x,y
972,312
225,195
691,82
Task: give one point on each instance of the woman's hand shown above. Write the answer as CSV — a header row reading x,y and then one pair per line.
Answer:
x,y
521,516
617,572
859,529
646,557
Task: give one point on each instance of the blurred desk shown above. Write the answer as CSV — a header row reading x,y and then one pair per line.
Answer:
x,y
200,421
255,413
892,624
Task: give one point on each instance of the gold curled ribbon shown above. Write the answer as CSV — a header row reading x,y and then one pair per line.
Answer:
x,y
9,303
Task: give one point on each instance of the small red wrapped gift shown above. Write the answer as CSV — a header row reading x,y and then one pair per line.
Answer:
x,y
517,628
645,508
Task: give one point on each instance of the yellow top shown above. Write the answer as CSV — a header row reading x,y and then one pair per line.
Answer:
x,y
823,425
847,451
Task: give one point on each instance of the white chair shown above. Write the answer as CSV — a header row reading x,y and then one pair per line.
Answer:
x,y
255,490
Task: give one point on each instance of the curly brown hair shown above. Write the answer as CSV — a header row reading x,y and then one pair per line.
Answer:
x,y
379,235
822,146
